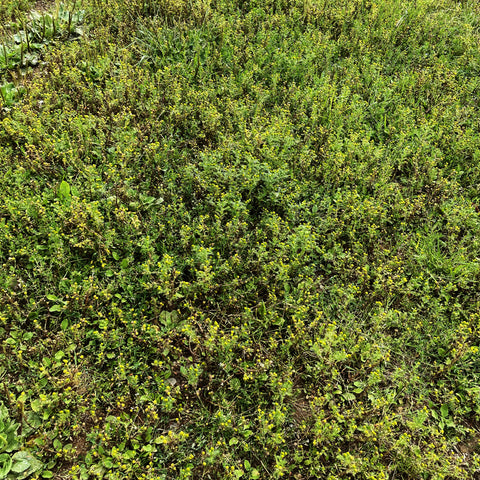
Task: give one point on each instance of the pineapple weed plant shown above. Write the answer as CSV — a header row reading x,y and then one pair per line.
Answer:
x,y
240,239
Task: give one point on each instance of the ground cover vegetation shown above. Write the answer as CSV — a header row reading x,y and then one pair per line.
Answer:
x,y
240,239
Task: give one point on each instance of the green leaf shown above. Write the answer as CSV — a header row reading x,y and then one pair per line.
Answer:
x,y
254,474
3,412
247,465
97,470
64,190
20,466
12,443
28,336
47,474
64,324
449,423
33,464
55,308
348,396
129,454
444,410
36,405
53,298
3,442
59,355
233,441
5,465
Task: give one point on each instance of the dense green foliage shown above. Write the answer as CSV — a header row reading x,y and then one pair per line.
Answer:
x,y
241,239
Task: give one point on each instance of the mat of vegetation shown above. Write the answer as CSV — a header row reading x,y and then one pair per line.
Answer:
x,y
241,239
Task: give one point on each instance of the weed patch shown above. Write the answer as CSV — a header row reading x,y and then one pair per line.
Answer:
x,y
240,240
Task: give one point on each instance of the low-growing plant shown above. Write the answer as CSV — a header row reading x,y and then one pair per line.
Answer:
x,y
14,463
239,239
